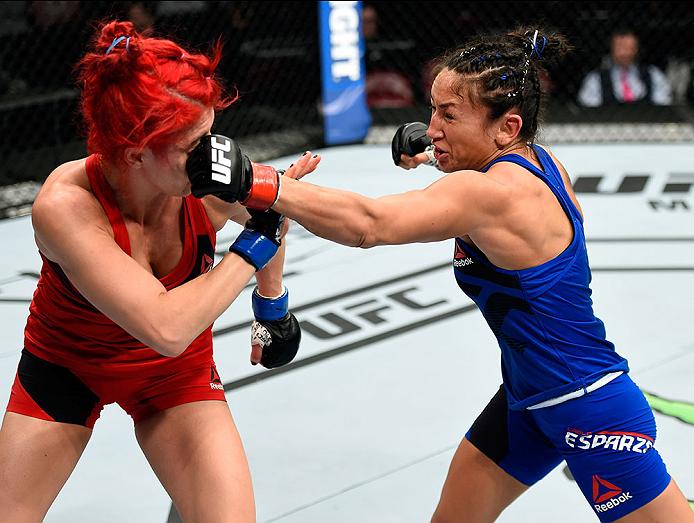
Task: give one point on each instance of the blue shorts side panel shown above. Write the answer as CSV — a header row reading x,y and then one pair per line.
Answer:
x,y
512,440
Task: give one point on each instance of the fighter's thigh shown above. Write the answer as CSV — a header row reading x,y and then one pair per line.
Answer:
x,y
197,453
669,507
502,454
476,489
36,458
47,425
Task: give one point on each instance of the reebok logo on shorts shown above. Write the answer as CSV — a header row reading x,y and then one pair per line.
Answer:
x,y
614,440
215,380
460,257
606,495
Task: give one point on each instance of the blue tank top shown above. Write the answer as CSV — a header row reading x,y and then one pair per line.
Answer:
x,y
551,341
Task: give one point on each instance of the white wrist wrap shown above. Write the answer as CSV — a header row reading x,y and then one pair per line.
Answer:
x,y
260,335
429,151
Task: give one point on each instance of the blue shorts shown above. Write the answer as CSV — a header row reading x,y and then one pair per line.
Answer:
x,y
606,438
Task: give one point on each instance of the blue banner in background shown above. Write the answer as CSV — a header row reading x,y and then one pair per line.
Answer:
x,y
346,117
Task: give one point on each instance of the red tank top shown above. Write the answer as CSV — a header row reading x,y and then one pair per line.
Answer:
x,y
64,328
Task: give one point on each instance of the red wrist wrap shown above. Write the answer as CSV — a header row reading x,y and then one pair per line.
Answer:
x,y
264,188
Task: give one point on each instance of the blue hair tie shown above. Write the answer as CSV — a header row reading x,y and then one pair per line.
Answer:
x,y
116,41
537,50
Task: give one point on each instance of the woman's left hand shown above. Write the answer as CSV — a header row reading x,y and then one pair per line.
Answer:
x,y
410,162
306,164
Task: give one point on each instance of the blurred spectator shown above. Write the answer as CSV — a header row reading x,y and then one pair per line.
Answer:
x,y
50,14
369,22
622,80
386,84
388,89
679,73
180,7
142,15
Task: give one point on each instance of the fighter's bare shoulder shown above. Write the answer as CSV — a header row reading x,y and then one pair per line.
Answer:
x,y
66,202
66,183
565,177
477,186
466,200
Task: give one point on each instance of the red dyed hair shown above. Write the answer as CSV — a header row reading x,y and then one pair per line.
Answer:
x,y
143,91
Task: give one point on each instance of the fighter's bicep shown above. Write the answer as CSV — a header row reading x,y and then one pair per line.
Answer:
x,y
453,206
98,268
118,286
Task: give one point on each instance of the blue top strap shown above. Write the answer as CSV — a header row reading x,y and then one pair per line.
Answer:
x,y
549,174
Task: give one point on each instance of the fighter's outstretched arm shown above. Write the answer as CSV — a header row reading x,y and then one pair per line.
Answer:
x,y
455,205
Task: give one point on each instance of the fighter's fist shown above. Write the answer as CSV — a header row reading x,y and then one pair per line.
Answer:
x,y
275,331
217,166
410,139
261,238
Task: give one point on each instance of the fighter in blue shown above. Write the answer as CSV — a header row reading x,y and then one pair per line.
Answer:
x,y
520,254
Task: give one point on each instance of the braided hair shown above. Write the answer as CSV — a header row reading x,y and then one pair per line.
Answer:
x,y
140,91
501,72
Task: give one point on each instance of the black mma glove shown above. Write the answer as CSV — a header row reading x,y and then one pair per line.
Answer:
x,y
411,139
217,166
261,238
275,329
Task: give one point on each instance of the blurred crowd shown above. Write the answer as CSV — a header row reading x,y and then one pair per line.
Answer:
x,y
638,59
40,41
613,72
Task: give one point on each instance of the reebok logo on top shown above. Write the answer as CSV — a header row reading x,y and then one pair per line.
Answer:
x,y
460,257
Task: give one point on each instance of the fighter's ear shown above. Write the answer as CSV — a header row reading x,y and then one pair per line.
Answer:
x,y
134,157
510,125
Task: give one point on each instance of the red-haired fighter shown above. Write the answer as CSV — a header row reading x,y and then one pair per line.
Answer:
x,y
127,294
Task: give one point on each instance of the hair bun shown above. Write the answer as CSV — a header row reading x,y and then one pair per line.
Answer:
x,y
541,44
110,31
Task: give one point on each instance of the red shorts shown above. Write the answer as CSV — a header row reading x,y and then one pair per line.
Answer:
x,y
52,392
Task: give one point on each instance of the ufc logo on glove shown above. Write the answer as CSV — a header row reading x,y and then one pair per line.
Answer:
x,y
221,164
216,166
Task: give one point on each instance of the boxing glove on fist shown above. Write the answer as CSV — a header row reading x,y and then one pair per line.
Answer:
x,y
260,239
217,166
410,139
275,329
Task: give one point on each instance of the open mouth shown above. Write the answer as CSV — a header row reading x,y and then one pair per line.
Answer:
x,y
438,152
